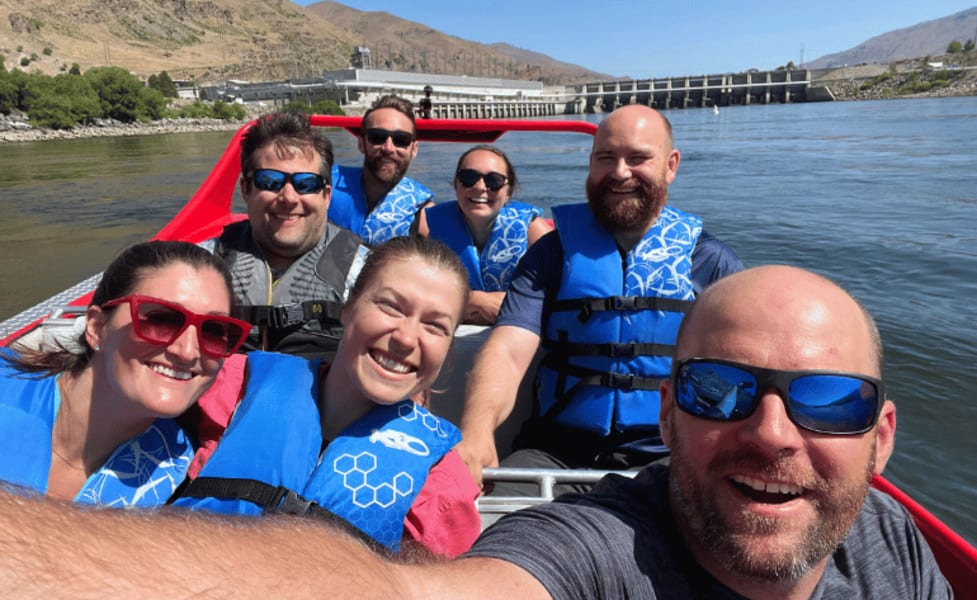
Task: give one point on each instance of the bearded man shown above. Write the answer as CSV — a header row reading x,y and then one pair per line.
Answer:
x,y
604,295
378,201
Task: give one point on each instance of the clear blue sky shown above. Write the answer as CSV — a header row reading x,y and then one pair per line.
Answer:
x,y
653,38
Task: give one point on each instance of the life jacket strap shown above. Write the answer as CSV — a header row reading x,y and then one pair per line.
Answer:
x,y
277,317
588,306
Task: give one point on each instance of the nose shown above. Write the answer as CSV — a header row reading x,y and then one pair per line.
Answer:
x,y
769,428
404,336
288,193
186,346
622,170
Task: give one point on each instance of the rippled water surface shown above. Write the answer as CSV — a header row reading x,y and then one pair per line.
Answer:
x,y
880,196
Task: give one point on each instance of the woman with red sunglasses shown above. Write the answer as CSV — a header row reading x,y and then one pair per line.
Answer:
x,y
96,423
486,228
347,439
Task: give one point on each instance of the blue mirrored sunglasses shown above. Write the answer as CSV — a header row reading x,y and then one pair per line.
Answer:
x,y
273,180
832,402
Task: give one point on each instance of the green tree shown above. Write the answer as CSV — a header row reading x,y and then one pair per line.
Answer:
x,y
123,97
74,70
61,102
955,47
969,46
163,84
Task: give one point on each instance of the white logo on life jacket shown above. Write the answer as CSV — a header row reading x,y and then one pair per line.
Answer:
x,y
399,440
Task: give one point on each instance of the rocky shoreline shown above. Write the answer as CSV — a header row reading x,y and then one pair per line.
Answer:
x,y
15,128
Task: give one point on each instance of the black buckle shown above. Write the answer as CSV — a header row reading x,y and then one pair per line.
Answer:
x,y
624,303
292,504
619,380
618,350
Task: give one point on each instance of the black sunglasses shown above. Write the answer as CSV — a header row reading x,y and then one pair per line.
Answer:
x,y
378,137
831,402
273,180
493,181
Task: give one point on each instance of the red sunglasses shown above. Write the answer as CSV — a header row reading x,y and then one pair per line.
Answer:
x,y
160,322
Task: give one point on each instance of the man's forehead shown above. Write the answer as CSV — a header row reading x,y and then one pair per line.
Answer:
x,y
390,117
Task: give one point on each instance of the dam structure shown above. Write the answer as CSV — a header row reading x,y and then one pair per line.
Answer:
x,y
463,97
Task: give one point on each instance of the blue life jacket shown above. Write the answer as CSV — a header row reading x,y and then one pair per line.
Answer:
x,y
270,458
143,471
491,269
611,330
391,217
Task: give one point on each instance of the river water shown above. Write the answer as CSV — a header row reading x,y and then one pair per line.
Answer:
x,y
880,196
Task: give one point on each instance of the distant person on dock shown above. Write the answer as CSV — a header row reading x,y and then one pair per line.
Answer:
x,y
604,295
378,201
95,421
291,268
487,228
777,420
425,106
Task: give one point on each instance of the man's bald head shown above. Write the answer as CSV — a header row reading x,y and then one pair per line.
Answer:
x,y
637,116
789,303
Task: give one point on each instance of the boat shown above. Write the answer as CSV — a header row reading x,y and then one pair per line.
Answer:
x,y
210,209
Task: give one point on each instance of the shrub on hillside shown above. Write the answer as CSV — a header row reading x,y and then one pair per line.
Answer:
x,y
123,97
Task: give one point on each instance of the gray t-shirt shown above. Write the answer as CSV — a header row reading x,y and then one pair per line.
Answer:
x,y
619,541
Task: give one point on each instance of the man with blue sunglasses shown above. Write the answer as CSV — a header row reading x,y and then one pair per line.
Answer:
x,y
378,201
777,422
291,268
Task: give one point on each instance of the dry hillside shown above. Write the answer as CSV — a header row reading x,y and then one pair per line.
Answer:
x,y
215,40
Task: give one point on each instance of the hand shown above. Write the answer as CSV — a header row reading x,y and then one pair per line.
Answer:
x,y
477,456
483,307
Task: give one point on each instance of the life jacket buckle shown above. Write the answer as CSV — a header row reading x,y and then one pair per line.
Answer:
x,y
293,504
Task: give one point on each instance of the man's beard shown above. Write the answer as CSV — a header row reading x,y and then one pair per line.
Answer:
x,y
386,172
743,553
630,214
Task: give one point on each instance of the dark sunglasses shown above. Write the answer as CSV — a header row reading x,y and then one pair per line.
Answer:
x,y
493,181
273,180
831,402
378,137
160,322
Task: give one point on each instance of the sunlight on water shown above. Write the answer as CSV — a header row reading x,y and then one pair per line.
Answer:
x,y
881,196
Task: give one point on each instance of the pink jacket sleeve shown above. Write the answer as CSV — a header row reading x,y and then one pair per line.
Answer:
x,y
444,518
214,409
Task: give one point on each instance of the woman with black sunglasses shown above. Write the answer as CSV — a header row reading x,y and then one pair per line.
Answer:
x,y
486,228
93,418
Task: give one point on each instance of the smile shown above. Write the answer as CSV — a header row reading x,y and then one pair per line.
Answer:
x,y
762,491
170,372
390,364
286,217
479,200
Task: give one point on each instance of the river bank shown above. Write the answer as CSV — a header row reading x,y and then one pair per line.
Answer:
x,y
843,86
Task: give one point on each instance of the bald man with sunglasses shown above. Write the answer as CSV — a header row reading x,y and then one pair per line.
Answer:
x,y
777,420
378,201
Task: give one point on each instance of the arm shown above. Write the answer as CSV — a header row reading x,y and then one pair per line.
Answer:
x,y
52,549
491,393
483,307
537,229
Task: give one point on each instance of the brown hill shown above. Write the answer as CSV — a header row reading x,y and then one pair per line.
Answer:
x,y
215,40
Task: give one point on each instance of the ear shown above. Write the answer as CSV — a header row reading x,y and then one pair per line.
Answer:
x,y
95,319
327,196
245,186
413,149
344,315
674,158
360,144
885,432
665,411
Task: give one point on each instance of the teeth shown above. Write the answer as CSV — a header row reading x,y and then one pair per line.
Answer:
x,y
770,488
181,375
390,364
479,200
